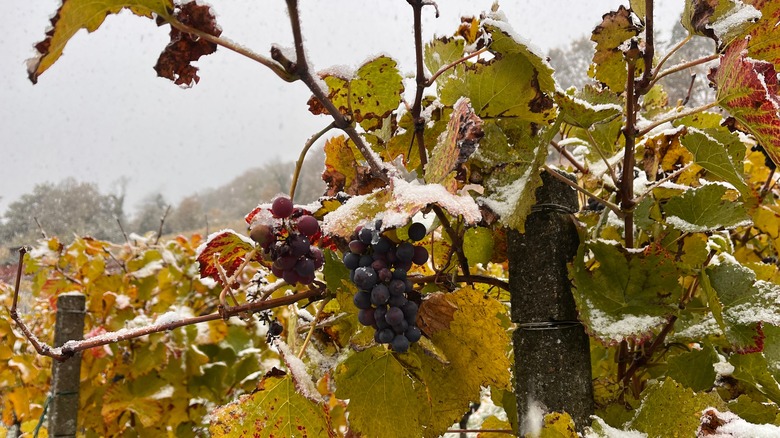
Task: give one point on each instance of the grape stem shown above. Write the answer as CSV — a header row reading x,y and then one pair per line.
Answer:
x,y
313,326
457,240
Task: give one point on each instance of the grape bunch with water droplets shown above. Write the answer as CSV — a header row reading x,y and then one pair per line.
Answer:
x,y
378,267
285,234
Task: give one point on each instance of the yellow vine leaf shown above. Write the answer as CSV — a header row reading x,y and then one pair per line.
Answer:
x,y
74,15
276,409
475,343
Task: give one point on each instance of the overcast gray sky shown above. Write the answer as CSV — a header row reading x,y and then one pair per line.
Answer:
x,y
101,113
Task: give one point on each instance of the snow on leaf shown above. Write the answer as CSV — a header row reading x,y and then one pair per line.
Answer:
x,y
740,303
275,409
668,406
175,62
764,43
718,19
370,96
747,89
609,65
624,295
728,425
474,336
713,156
74,15
228,248
378,384
581,113
706,208
454,146
396,205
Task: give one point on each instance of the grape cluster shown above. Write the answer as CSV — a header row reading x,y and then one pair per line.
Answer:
x,y
286,238
378,267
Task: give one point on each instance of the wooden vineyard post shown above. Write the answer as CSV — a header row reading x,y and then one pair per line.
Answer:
x,y
64,405
552,351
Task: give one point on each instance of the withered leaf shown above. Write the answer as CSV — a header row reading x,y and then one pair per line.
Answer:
x,y
175,61
435,314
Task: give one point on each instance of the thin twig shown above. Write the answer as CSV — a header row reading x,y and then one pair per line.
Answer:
x,y
683,66
673,117
674,174
577,187
457,241
610,169
162,222
313,326
644,84
626,190
122,229
671,52
422,82
463,279
299,164
40,228
302,69
690,90
443,69
566,154
275,67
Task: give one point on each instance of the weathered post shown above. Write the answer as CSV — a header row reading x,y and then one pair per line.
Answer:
x,y
64,405
552,351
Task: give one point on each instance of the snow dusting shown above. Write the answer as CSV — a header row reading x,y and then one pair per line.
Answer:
x,y
298,371
740,14
531,425
499,20
730,425
505,200
608,431
616,330
148,270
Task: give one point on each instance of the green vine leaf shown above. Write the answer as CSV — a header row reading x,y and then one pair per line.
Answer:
x,y
443,51
275,409
747,89
713,156
740,303
753,369
378,384
581,113
609,65
369,95
74,15
668,406
707,208
763,35
623,294
694,369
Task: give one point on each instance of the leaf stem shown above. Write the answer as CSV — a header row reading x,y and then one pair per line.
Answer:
x,y
443,69
639,198
275,67
676,116
313,326
457,241
566,154
299,164
671,52
683,66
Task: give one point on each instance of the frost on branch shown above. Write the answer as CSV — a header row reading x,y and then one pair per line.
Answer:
x,y
175,62
74,15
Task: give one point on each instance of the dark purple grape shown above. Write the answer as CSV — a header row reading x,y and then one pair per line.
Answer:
x,y
378,265
385,275
417,231
286,263
316,255
277,271
403,265
365,261
420,256
366,317
309,279
305,267
357,247
400,344
410,311
394,316
405,252
291,277
397,300
351,260
384,336
397,287
299,245
381,312
365,235
365,277
399,274
383,245
379,295
408,285
413,334
308,225
400,327
282,207
362,299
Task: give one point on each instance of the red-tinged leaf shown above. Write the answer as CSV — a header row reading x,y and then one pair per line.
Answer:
x,y
225,247
764,39
175,62
74,15
747,88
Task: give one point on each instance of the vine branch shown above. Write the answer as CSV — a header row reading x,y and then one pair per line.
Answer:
x,y
299,164
674,117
